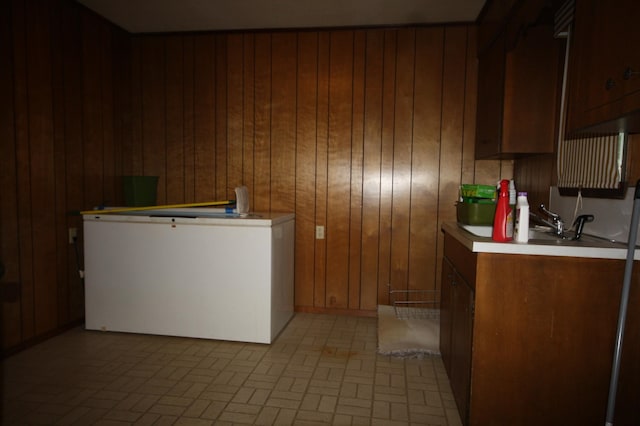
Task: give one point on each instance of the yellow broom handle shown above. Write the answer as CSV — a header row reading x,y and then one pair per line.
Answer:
x,y
164,206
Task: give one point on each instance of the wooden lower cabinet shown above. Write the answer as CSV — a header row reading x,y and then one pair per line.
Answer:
x,y
528,340
456,319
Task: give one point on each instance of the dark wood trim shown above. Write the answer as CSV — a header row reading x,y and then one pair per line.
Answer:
x,y
26,344
337,311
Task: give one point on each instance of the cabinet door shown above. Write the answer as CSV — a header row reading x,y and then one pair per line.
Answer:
x,y
579,80
593,85
603,47
446,311
604,85
517,95
531,92
623,24
491,67
461,341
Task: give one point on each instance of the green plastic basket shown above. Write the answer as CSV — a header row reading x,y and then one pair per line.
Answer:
x,y
472,200
477,191
475,213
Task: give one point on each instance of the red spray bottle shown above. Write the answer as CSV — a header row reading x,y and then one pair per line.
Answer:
x,y
503,220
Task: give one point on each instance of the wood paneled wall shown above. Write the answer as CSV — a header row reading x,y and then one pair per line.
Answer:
x,y
60,142
535,175
366,132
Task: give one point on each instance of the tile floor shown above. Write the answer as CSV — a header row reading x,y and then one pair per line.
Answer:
x,y
322,370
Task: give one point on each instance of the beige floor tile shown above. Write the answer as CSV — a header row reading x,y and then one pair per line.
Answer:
x,y
314,416
327,404
197,408
322,370
267,416
122,416
184,421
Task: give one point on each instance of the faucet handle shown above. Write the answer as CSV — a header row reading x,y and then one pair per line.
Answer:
x,y
579,224
557,220
554,216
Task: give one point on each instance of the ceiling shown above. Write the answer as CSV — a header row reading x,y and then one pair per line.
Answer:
x,y
150,16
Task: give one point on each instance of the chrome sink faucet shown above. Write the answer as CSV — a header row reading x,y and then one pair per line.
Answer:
x,y
556,222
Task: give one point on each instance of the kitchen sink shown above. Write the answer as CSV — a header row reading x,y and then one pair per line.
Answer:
x,y
542,235
545,236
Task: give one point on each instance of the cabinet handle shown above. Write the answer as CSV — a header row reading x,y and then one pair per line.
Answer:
x,y
629,72
610,84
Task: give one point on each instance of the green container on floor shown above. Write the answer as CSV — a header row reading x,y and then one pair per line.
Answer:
x,y
140,191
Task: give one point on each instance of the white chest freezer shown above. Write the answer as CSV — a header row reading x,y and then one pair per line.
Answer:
x,y
185,273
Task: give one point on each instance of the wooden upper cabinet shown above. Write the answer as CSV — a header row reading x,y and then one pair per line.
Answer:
x,y
604,67
518,86
489,119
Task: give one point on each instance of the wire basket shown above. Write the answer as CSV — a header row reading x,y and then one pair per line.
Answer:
x,y
415,304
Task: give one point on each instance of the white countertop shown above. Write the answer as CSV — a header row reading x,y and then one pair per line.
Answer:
x,y
194,216
589,249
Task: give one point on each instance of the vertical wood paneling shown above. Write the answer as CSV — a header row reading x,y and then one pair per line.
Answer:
x,y
153,83
307,94
248,128
174,120
71,51
356,171
221,143
426,170
470,94
352,130
24,209
283,121
92,128
204,106
339,167
188,116
262,120
534,175
365,132
57,84
109,146
41,160
61,152
402,151
386,165
9,239
133,153
121,106
322,127
235,109
371,179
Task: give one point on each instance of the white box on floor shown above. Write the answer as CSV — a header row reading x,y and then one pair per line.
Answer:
x,y
189,273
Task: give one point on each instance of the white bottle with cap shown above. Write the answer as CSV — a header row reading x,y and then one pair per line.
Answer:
x,y
522,218
512,206
512,193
